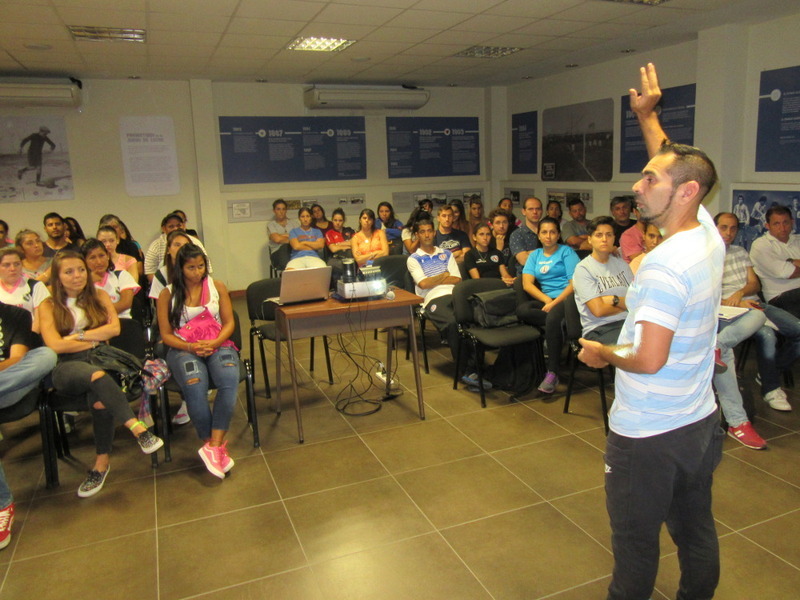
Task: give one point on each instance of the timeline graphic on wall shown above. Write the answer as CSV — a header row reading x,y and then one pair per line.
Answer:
x,y
524,140
278,149
432,146
676,113
778,140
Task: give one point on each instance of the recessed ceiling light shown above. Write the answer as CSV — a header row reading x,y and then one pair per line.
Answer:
x,y
487,52
319,44
38,46
647,2
85,33
571,65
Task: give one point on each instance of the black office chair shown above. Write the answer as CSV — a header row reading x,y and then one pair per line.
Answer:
x,y
419,313
482,338
572,318
258,309
245,374
278,259
34,400
131,339
393,269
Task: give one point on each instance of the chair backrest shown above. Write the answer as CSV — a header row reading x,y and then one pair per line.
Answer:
x,y
131,338
257,292
236,336
462,309
393,269
572,318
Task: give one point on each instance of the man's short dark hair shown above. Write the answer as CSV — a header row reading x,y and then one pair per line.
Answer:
x,y
552,221
499,212
52,215
420,223
597,221
719,215
444,208
778,210
690,164
279,201
573,201
170,217
619,200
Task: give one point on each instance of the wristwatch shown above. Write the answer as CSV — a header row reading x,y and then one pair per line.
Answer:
x,y
81,335
615,301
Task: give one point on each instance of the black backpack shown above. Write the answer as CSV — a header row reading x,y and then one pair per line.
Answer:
x,y
124,367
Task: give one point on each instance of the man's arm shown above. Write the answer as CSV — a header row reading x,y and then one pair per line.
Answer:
x,y
643,105
647,356
770,264
753,286
16,353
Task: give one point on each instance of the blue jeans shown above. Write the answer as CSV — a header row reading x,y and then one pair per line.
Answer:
x,y
194,374
6,497
772,362
20,378
731,333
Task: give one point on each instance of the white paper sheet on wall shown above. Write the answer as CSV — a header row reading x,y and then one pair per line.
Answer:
x,y
149,156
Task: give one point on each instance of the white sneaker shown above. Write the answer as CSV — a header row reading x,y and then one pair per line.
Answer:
x,y
777,400
182,416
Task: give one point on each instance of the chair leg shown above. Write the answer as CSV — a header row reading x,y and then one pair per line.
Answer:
x,y
424,347
478,353
48,445
253,350
458,363
164,411
251,403
264,371
311,367
572,353
62,433
327,358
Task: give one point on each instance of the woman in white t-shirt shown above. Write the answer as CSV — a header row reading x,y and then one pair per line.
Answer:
x,y
175,241
119,285
16,290
122,262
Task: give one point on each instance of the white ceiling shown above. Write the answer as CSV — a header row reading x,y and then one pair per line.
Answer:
x,y
398,41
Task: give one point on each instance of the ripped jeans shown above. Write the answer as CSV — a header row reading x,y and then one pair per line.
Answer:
x,y
194,374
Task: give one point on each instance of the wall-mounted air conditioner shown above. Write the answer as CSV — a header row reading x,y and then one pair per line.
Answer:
x,y
365,97
62,95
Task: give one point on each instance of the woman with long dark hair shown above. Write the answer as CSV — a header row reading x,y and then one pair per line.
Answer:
x,y
368,243
74,231
321,222
76,319
459,218
391,226
410,240
195,318
110,239
119,285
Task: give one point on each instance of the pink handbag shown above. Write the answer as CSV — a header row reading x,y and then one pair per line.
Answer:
x,y
203,327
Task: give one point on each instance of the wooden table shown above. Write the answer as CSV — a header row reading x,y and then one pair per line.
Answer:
x,y
330,317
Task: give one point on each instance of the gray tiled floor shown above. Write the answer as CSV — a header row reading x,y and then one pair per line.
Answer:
x,y
502,502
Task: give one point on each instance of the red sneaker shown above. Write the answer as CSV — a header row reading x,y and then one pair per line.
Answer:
x,y
746,435
6,521
719,364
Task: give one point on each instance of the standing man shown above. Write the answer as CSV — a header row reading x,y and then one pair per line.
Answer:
x,y
665,439
574,232
36,142
278,231
776,258
601,281
57,239
525,238
449,238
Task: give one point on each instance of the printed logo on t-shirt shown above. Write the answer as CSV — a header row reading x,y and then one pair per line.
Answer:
x,y
544,269
442,256
494,258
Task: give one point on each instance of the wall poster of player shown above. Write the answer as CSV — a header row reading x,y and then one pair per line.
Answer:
x,y
751,206
34,159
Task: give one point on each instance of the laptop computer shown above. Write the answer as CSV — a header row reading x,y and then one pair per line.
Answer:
x,y
303,285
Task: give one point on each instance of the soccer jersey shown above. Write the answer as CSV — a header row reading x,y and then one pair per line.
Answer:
x,y
422,265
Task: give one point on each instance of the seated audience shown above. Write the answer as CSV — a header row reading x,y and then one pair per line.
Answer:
x,y
119,285
426,205
16,290
476,216
368,243
75,320
320,220
601,282
21,370
410,241
525,239
391,226
199,356
498,219
507,204
555,211
631,241
484,261
278,231
460,221
155,252
450,238
182,214
740,284
776,258
35,265
574,232
652,238
109,237
57,239
307,243
338,237
175,240
552,266
127,245
74,231
620,207
4,239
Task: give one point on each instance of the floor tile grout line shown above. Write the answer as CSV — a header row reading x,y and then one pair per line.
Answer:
x,y
86,545
757,468
768,551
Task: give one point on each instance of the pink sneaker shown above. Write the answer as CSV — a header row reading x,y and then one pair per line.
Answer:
x,y
212,457
6,521
746,435
225,460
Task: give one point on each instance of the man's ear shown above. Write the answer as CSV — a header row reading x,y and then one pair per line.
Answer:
x,y
688,191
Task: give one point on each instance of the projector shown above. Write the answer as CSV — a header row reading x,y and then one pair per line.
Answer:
x,y
361,289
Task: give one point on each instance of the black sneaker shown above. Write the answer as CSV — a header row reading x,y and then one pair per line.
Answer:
x,y
93,483
149,442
